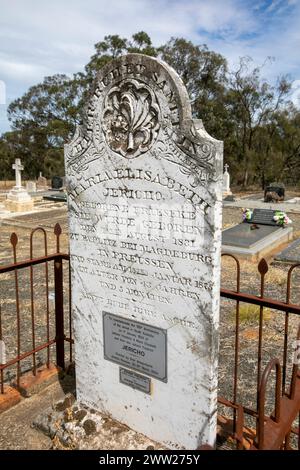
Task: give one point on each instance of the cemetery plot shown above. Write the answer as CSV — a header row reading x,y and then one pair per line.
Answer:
x,y
256,238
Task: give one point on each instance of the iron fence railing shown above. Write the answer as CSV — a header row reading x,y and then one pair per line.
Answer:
x,y
271,431
55,318
48,331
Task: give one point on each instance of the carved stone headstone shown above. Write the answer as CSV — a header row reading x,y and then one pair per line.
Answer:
x,y
144,184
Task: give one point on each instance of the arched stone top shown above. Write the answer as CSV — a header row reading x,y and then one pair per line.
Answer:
x,y
139,104
157,70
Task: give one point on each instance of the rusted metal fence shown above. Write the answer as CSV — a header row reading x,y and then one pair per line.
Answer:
x,y
51,321
274,431
48,330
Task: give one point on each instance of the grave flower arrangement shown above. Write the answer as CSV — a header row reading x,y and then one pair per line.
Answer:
x,y
281,218
247,215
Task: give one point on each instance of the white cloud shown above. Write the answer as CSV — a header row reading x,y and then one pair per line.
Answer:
x,y
42,38
21,71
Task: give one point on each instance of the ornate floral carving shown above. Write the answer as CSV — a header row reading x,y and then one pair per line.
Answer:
x,y
130,118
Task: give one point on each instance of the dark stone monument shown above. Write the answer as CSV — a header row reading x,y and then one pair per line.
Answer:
x,y
57,182
274,192
58,197
263,216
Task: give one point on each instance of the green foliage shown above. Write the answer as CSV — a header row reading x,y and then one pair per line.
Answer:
x,y
259,127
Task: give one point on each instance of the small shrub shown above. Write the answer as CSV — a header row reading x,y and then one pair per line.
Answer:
x,y
250,314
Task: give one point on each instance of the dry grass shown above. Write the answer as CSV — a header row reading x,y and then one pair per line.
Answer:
x,y
296,234
276,276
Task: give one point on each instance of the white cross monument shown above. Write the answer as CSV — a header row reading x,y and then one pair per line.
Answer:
x,y
226,182
18,167
18,199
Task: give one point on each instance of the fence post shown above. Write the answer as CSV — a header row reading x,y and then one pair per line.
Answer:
x,y
59,313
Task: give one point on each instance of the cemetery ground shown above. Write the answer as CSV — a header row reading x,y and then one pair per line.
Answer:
x,y
16,424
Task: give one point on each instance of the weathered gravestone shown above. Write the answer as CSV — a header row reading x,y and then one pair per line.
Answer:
x,y
274,192
144,182
42,183
57,182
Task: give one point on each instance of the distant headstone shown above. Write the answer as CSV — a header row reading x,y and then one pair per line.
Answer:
x,y
263,216
57,182
42,183
274,192
230,198
226,182
18,199
144,184
31,186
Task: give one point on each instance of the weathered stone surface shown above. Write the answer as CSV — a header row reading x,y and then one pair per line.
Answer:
x,y
144,182
66,403
93,431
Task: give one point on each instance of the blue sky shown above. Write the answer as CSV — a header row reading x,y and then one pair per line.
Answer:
x,y
39,37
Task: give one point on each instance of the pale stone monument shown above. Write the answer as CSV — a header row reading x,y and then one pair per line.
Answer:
x,y
144,184
226,182
31,186
42,183
18,199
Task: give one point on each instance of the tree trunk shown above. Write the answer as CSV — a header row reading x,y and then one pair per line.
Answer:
x,y
246,175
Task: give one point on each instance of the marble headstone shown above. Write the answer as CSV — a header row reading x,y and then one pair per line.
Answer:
x,y
144,183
